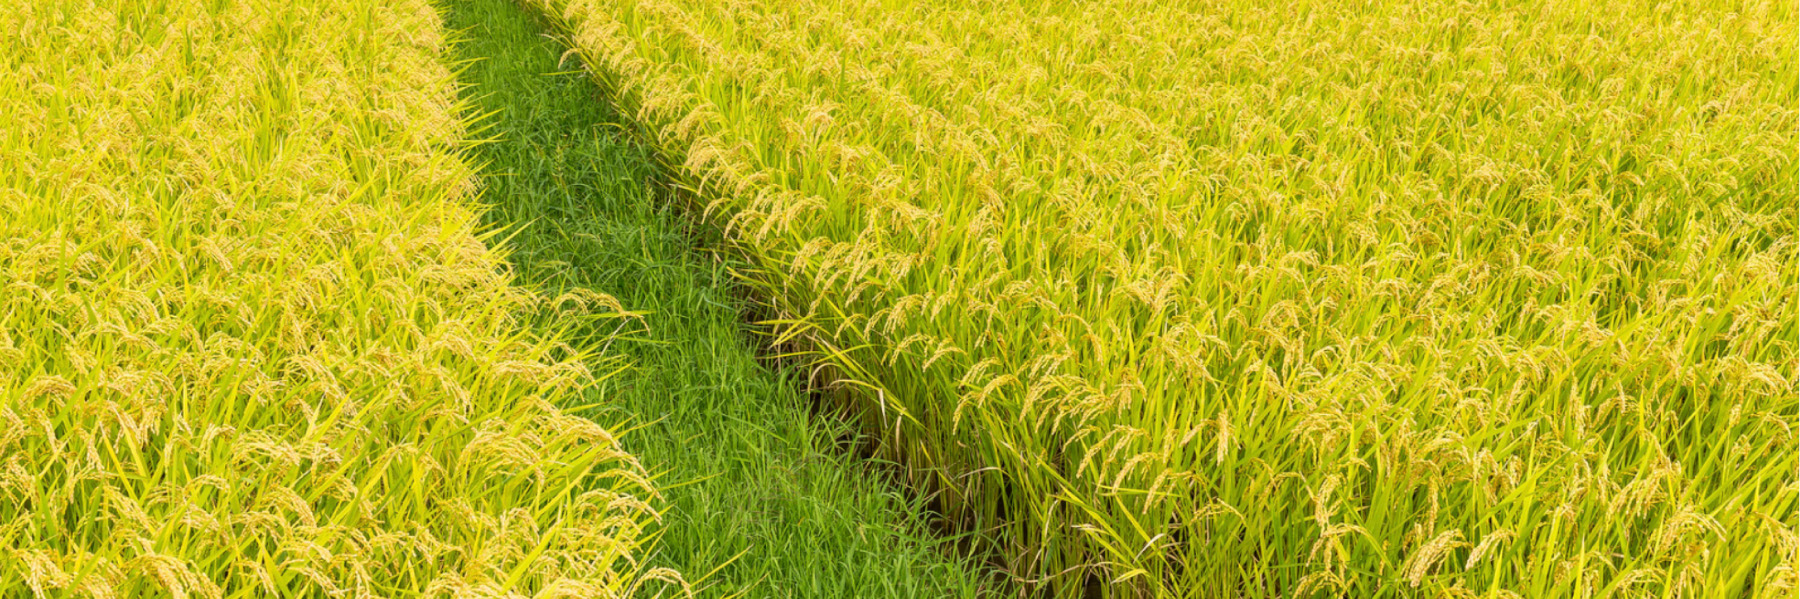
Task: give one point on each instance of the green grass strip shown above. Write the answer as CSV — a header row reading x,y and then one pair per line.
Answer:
x,y
758,494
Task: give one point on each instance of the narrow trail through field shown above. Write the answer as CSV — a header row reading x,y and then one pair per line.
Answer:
x,y
761,503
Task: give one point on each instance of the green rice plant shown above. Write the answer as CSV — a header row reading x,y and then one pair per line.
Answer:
x,y
252,342
1212,299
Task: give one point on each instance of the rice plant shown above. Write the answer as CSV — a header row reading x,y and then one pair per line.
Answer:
x,y
1212,299
252,341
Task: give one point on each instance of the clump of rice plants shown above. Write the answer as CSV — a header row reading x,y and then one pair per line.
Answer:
x,y
252,343
1308,299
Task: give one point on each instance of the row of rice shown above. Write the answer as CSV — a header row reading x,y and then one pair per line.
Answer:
x,y
1216,299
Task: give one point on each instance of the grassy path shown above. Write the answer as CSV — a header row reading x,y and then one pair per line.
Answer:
x,y
747,473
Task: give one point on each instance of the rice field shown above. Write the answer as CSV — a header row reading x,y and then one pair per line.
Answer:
x,y
1121,298
1215,299
253,342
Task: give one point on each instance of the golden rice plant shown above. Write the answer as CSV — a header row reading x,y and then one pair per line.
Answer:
x,y
252,343
1216,299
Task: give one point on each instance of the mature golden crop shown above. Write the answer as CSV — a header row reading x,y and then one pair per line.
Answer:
x,y
1214,299
251,344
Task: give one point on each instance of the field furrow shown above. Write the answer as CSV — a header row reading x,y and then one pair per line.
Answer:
x,y
761,498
